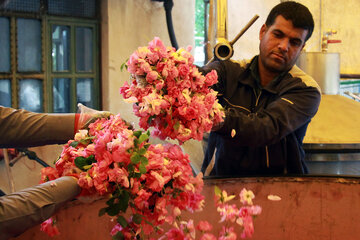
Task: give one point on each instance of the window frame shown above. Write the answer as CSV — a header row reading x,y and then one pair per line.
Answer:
x,y
73,74
46,74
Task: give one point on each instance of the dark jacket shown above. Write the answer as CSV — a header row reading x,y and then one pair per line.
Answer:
x,y
270,123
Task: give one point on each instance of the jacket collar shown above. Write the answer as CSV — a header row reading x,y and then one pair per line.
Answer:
x,y
253,78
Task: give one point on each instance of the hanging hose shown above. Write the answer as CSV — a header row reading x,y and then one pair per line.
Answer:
x,y
168,5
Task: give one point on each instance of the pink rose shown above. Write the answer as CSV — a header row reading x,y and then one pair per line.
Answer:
x,y
48,174
183,70
119,175
49,227
204,226
175,234
211,78
208,236
227,234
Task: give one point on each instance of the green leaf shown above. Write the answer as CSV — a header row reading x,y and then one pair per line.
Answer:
x,y
102,212
80,162
137,133
124,65
150,119
86,140
130,168
143,138
136,142
137,218
83,163
118,236
122,221
142,151
217,191
110,201
142,169
113,210
74,144
137,175
135,158
91,158
87,167
144,160
177,125
124,201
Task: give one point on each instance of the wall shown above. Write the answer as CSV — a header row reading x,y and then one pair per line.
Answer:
x,y
129,24
25,172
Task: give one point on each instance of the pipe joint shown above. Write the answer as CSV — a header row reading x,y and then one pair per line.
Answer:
x,y
223,50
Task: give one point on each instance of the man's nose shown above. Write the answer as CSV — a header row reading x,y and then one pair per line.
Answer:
x,y
284,45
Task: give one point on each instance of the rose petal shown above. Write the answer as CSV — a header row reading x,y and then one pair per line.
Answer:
x,y
131,100
274,197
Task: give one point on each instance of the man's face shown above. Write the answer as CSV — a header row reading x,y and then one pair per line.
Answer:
x,y
280,45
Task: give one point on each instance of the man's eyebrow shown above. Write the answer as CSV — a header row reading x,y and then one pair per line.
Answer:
x,y
278,31
281,32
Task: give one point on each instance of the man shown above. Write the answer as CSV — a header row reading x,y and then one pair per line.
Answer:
x,y
20,128
269,101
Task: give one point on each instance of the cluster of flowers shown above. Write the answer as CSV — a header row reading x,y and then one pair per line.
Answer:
x,y
230,215
170,94
149,181
150,185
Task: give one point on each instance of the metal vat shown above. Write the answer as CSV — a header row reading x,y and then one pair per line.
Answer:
x,y
311,208
324,68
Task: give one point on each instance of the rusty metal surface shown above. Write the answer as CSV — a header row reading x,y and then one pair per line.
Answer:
x,y
312,207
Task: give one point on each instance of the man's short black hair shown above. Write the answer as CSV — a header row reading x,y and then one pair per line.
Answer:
x,y
298,14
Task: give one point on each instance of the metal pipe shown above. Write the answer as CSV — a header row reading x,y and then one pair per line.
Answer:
x,y
247,26
15,159
354,96
168,5
8,170
224,49
206,27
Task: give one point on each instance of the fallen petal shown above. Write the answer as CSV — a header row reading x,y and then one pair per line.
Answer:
x,y
274,198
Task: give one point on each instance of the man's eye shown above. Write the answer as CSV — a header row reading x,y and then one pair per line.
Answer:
x,y
295,43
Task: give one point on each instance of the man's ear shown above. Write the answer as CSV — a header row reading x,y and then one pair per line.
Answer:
x,y
262,32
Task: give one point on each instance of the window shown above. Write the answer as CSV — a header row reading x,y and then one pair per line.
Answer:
x,y
49,55
201,12
73,71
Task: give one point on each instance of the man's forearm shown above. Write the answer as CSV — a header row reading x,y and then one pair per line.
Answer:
x,y
20,128
29,207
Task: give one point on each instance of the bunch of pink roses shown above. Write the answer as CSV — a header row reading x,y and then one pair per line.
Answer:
x,y
149,185
147,181
170,94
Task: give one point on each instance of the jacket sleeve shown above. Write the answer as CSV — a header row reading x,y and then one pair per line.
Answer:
x,y
21,128
29,207
286,114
